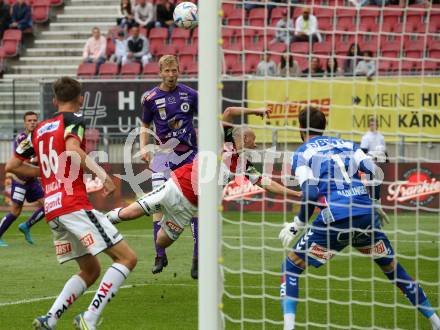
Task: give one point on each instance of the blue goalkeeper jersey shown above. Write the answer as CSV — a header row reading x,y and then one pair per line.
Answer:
x,y
332,164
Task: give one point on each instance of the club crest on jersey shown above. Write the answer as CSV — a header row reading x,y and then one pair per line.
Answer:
x,y
48,127
162,113
171,100
185,107
53,202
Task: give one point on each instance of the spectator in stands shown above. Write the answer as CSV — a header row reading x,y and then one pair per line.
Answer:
x,y
288,67
315,69
284,29
144,14
266,67
306,27
94,49
126,18
164,14
5,17
332,69
21,16
352,59
366,66
137,48
120,48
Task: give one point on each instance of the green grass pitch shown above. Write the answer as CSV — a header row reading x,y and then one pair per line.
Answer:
x,y
31,278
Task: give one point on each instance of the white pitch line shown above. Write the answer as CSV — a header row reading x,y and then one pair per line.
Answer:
x,y
131,286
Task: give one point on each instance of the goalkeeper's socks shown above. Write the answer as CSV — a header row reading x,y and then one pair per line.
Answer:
x,y
73,288
195,233
289,292
435,321
35,217
112,280
411,289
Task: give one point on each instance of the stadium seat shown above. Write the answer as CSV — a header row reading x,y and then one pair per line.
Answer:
x,y
108,70
86,70
386,66
56,3
231,59
250,67
151,69
185,62
191,68
323,12
237,17
156,45
236,69
371,12
277,47
158,33
367,24
391,15
408,66
11,42
322,48
277,13
345,24
169,49
40,11
258,17
180,37
195,36
415,48
300,48
130,70
326,24
434,25
252,60
188,53
430,66
227,8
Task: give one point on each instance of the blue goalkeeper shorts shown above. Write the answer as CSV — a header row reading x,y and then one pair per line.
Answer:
x,y
321,242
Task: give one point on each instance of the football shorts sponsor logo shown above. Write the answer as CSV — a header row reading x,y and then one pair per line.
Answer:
x,y
62,248
48,127
173,227
378,250
53,202
320,253
160,101
87,240
185,107
162,113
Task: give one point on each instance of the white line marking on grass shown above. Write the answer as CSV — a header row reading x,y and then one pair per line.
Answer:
x,y
132,286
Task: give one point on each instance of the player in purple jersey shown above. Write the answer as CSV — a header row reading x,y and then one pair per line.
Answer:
x,y
24,188
171,107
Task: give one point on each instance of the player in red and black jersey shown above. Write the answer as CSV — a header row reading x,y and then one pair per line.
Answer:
x,y
177,198
79,231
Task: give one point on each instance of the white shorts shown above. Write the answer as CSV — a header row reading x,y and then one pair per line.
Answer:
x,y
82,232
169,200
158,179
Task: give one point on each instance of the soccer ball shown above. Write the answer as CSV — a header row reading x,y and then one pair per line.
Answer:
x,y
186,16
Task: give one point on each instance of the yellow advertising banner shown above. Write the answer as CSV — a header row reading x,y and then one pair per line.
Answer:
x,y
405,108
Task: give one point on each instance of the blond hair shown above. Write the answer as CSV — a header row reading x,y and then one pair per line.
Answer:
x,y
166,60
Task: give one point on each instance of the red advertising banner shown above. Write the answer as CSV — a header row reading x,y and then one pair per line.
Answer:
x,y
407,186
411,186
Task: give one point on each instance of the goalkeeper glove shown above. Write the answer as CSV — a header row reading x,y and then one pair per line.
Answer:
x,y
383,217
289,231
113,216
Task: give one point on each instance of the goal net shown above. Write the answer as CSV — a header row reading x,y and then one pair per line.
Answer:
x,y
355,60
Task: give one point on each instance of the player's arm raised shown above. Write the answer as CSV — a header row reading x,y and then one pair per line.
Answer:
x,y
231,112
277,188
73,147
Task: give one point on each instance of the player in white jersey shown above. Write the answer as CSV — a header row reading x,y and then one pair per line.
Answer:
x,y
327,169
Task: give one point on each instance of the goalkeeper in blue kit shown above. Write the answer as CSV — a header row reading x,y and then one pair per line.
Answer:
x,y
327,169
